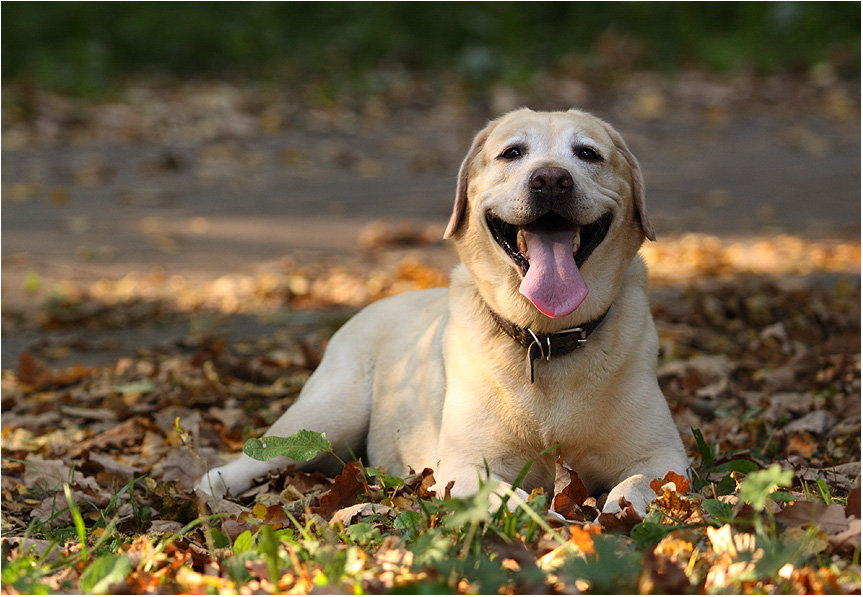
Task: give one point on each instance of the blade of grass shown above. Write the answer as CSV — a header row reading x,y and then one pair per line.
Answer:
x,y
77,519
116,497
524,470
537,518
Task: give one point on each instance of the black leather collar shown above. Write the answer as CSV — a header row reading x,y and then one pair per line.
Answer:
x,y
548,345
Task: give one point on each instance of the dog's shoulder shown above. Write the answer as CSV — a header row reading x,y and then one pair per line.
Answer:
x,y
397,314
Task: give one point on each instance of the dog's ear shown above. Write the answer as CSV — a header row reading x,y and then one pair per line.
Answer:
x,y
637,181
460,203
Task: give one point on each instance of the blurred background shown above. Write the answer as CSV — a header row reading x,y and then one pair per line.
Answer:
x,y
191,168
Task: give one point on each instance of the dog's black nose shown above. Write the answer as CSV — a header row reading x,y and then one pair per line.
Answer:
x,y
550,183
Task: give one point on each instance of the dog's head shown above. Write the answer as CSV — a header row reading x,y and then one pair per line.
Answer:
x,y
548,213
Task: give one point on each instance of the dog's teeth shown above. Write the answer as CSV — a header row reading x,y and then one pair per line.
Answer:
x,y
522,244
576,242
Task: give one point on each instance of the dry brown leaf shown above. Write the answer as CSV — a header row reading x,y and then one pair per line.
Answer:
x,y
347,516
830,519
346,486
621,521
130,432
803,444
27,371
273,515
569,492
110,465
421,483
679,509
852,508
50,475
847,539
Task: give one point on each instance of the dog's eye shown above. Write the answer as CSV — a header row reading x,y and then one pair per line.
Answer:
x,y
511,153
587,154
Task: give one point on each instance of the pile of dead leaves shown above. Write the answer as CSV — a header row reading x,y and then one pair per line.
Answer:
x,y
763,377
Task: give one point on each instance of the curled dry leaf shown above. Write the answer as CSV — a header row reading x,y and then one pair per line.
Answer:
x,y
570,494
681,484
421,483
621,521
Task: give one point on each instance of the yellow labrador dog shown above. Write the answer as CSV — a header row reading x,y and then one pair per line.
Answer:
x,y
544,336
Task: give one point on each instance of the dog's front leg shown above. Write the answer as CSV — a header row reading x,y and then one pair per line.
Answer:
x,y
336,400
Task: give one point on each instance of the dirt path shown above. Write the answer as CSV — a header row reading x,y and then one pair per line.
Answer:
x,y
218,207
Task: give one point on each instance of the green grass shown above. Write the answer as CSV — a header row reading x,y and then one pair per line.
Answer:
x,y
454,545
435,545
90,48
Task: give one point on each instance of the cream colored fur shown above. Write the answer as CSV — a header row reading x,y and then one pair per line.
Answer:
x,y
427,378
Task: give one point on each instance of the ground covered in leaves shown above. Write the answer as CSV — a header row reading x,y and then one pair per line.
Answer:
x,y
760,343
762,374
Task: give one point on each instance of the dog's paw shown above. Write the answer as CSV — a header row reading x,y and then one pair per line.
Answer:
x,y
635,490
213,483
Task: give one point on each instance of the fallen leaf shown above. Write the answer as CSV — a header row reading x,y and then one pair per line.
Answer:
x,y
849,538
164,527
346,516
421,483
681,484
852,508
569,492
818,422
346,486
622,520
830,519
679,509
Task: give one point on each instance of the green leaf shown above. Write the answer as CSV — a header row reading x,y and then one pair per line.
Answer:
x,y
243,542
363,532
650,533
726,485
409,521
389,481
104,572
219,540
756,488
269,547
703,448
301,446
782,496
740,466
718,509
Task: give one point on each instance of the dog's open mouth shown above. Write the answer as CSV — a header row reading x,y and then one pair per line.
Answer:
x,y
549,252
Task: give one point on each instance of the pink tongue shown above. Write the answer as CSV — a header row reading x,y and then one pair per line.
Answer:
x,y
552,282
